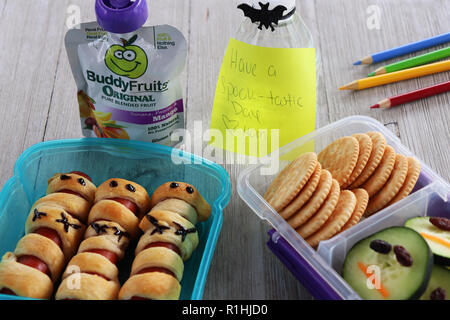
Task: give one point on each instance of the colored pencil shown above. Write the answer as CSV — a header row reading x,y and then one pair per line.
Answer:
x,y
398,76
413,62
412,96
402,50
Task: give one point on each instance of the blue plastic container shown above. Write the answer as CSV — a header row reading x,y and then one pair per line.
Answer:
x,y
150,165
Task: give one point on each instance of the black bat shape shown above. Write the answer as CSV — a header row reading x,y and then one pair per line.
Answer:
x,y
250,12
264,16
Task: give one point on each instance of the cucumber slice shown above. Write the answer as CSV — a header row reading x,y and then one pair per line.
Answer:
x,y
440,278
395,281
430,232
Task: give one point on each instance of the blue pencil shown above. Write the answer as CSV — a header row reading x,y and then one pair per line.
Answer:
x,y
406,49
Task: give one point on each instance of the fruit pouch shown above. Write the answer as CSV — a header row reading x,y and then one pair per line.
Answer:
x,y
128,76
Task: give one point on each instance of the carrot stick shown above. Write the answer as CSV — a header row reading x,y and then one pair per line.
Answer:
x,y
381,289
435,239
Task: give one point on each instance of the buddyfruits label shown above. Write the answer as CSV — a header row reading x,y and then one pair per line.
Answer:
x,y
129,84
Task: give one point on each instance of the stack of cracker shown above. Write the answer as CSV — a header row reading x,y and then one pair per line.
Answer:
x,y
355,176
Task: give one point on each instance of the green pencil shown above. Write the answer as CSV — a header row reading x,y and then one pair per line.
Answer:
x,y
413,62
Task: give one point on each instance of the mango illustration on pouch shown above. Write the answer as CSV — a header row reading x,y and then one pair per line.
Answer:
x,y
266,89
99,122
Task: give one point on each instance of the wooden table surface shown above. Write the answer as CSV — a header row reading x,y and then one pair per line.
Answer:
x,y
38,99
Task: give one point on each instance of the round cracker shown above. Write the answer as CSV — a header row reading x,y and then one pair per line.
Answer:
x,y
381,175
362,200
304,195
365,149
341,214
410,181
290,181
392,186
378,147
321,216
340,158
314,203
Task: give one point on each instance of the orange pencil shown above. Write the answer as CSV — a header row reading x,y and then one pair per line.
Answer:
x,y
398,76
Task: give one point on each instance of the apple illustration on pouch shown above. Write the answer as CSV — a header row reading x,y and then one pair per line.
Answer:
x,y
127,60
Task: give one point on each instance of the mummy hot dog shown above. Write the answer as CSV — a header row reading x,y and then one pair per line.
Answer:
x,y
169,239
113,221
53,231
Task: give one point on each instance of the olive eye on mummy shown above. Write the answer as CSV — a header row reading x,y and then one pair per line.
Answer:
x,y
190,190
130,188
81,181
66,177
174,185
113,184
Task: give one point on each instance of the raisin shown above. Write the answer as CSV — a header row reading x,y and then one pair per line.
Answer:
x,y
380,246
438,294
441,223
403,256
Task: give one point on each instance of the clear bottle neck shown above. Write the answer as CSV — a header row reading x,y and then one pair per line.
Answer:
x,y
288,4
289,33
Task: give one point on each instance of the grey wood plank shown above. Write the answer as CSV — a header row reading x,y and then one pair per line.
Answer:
x,y
258,275
63,117
29,49
423,125
210,31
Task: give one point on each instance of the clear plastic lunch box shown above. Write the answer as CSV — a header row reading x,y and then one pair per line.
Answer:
x,y
147,164
319,271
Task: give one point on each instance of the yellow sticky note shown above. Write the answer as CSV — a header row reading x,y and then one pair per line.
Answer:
x,y
263,89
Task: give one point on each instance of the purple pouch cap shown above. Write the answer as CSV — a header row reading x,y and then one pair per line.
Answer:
x,y
121,16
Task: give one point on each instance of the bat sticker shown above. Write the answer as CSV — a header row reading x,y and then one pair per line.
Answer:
x,y
264,16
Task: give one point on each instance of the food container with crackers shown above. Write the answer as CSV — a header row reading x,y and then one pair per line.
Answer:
x,y
105,219
355,214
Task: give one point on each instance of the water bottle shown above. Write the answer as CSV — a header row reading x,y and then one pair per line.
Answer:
x,y
266,87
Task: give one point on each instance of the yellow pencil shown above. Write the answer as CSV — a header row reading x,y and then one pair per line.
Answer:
x,y
398,76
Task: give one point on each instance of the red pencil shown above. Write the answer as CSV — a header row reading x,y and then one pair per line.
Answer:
x,y
412,96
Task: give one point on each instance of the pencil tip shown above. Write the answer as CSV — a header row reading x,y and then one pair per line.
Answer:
x,y
380,71
351,86
367,60
357,63
376,106
372,74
